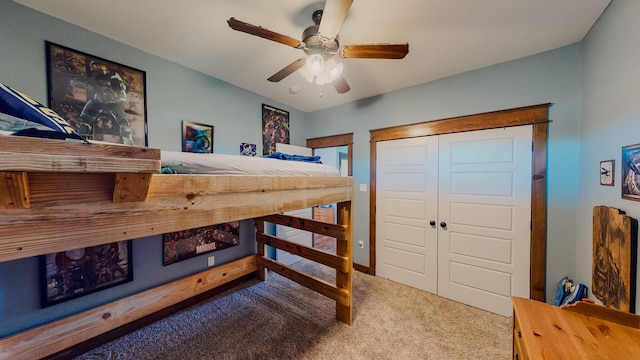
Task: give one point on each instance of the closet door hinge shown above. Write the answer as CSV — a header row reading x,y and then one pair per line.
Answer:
x,y
532,146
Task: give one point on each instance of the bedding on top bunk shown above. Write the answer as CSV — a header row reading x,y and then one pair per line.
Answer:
x,y
222,164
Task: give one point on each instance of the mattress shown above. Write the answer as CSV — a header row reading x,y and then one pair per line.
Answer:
x,y
222,164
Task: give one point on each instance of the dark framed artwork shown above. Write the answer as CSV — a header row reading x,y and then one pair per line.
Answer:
x,y
275,128
630,166
196,137
101,99
73,273
607,173
247,149
185,244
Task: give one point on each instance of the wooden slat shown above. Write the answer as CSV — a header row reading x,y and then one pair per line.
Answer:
x,y
70,217
59,335
339,263
14,190
30,145
333,230
262,249
320,286
34,154
344,280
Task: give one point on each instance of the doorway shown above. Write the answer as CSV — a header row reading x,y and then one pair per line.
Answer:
x,y
453,215
335,151
537,116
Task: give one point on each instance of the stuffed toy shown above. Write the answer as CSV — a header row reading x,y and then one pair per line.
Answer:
x,y
568,293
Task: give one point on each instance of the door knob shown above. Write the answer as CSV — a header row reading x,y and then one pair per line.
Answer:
x,y
443,224
432,223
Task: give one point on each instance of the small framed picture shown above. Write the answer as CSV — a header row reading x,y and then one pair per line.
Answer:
x,y
196,137
606,172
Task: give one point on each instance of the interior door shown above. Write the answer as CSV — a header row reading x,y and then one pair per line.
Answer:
x,y
285,232
406,190
485,217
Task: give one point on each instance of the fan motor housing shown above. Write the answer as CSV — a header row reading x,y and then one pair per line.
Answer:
x,y
315,42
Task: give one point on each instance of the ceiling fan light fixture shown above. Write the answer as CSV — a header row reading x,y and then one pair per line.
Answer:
x,y
306,74
315,64
321,79
334,70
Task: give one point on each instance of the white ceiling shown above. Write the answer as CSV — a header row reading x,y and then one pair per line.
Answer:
x,y
446,37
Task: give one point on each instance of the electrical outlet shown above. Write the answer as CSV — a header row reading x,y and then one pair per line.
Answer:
x,y
210,261
361,244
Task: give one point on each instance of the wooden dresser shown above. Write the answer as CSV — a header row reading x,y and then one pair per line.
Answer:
x,y
579,331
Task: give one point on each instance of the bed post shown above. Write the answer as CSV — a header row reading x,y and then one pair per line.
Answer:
x,y
344,312
260,225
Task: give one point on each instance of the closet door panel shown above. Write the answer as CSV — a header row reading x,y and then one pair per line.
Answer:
x,y
406,190
485,201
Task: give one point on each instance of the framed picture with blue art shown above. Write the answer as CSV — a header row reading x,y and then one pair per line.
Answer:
x,y
196,137
631,172
247,149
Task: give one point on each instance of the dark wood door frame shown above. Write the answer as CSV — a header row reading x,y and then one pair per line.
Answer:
x,y
538,117
335,141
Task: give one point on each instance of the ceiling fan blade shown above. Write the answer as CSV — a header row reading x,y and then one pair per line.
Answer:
x,y
333,15
377,51
287,70
264,33
341,85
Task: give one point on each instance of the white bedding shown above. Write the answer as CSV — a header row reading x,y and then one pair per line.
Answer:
x,y
222,164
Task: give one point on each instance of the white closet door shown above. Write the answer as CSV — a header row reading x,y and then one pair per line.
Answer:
x,y
485,201
406,202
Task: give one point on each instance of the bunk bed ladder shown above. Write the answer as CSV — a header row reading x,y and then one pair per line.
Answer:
x,y
341,291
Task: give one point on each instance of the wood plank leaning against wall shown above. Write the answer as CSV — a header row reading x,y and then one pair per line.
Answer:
x,y
535,115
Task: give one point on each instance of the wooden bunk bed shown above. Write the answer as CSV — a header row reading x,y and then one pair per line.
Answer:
x,y
59,195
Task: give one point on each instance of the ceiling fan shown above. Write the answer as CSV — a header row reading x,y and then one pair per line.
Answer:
x,y
320,43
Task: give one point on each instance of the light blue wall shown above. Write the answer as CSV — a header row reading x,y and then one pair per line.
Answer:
x,y
174,93
551,77
610,117
603,92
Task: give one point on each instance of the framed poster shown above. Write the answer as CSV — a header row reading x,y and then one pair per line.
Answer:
x,y
196,137
606,172
631,172
275,128
101,99
182,245
73,273
247,149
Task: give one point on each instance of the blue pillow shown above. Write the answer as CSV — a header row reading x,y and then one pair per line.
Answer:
x,y
15,103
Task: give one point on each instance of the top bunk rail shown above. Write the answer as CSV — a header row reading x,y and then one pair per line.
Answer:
x,y
59,195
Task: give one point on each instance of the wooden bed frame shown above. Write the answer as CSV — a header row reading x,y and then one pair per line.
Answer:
x,y
59,195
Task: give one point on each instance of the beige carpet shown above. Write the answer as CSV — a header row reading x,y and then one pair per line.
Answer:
x,y
279,319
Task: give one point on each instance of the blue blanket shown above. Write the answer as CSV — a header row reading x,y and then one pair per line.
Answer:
x,y
283,156
17,104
